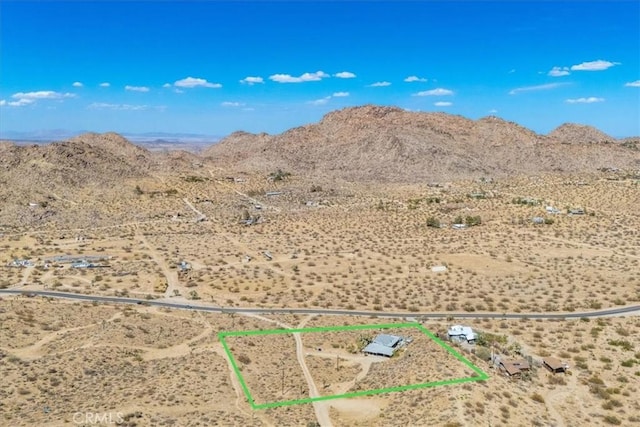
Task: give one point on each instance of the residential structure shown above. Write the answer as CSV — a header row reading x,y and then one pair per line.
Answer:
x,y
514,367
462,333
384,345
555,365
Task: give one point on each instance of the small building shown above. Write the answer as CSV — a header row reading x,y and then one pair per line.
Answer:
x,y
514,367
383,345
82,264
267,255
184,266
439,268
459,226
555,365
578,211
537,220
462,333
20,263
552,210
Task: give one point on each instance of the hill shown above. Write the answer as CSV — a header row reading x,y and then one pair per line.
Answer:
x,y
571,133
385,143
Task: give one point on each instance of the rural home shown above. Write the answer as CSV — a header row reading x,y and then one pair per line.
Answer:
x,y
555,365
383,345
514,367
462,333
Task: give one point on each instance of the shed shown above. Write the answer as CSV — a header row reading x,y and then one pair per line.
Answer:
x,y
555,365
515,367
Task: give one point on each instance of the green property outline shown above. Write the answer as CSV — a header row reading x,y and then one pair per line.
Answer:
x,y
222,335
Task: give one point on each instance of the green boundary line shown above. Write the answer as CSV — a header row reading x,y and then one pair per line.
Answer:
x,y
481,375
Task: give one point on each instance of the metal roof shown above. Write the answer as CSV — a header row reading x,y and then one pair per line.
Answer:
x,y
375,348
387,340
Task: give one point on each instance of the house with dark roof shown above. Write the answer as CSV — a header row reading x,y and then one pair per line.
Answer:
x,y
514,367
555,365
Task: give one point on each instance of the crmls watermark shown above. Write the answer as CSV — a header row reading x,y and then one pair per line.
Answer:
x,y
98,418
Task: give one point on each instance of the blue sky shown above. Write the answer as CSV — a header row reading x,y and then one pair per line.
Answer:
x,y
213,67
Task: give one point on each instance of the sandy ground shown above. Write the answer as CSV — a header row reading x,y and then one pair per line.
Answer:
x,y
346,246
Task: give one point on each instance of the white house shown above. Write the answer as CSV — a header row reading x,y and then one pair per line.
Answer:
x,y
460,332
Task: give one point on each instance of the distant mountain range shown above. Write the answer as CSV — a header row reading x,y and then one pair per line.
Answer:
x,y
369,143
52,135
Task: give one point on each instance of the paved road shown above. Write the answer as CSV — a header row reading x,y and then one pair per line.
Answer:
x,y
631,310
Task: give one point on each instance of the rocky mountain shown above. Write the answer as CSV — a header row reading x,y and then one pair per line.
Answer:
x,y
571,133
390,144
87,159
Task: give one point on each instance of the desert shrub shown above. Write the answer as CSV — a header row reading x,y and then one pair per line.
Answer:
x,y
628,363
433,222
610,419
243,358
537,397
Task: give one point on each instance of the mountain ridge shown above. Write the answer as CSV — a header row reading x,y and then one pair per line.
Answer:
x,y
390,144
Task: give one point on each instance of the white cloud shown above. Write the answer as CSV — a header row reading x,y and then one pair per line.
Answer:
x,y
136,88
42,94
77,84
493,111
167,85
340,94
231,104
443,104
598,65
345,75
20,102
321,101
633,84
2,102
306,77
190,82
380,84
178,91
415,79
589,100
118,107
105,84
559,72
534,88
252,80
434,92
26,98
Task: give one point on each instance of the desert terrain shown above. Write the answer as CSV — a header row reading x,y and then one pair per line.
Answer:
x,y
217,235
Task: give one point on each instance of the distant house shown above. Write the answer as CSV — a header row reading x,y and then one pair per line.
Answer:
x,y
552,210
20,263
459,226
514,367
577,211
462,333
383,345
555,365
184,266
537,220
82,264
